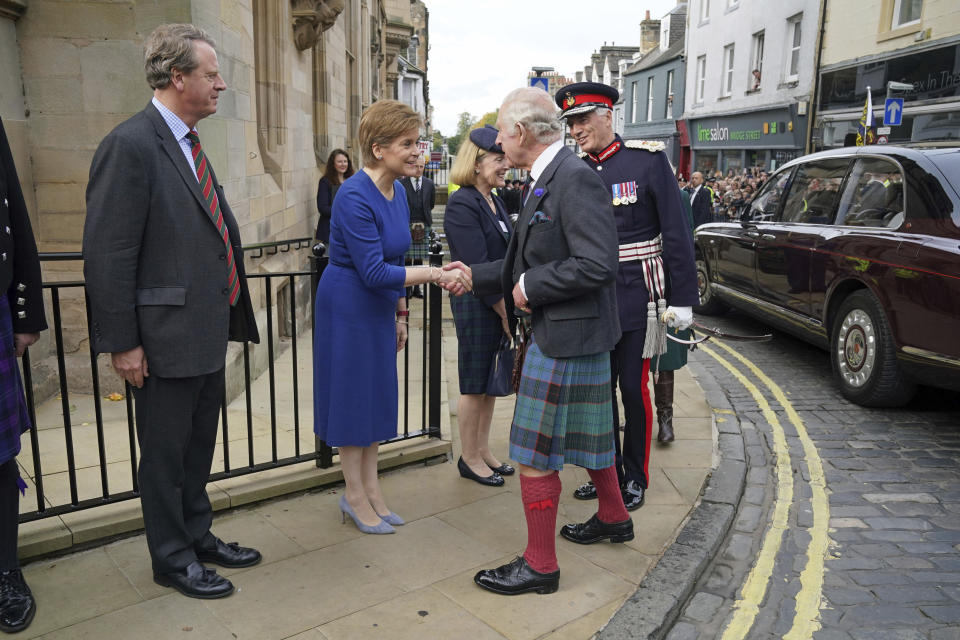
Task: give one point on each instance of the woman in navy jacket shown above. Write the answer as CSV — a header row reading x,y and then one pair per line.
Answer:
x,y
478,230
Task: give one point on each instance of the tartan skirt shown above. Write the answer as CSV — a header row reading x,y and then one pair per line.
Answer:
x,y
14,418
564,412
478,336
420,250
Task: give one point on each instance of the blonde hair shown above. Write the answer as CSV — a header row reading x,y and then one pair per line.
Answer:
x,y
464,170
383,122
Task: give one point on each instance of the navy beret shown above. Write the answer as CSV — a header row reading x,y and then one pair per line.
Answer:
x,y
485,137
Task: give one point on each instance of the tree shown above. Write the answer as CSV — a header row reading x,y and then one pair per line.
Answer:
x,y
464,124
437,140
488,118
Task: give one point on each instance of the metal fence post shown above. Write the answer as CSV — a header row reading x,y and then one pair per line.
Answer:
x,y
435,320
318,263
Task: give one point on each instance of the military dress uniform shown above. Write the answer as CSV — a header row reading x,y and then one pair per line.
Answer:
x,y
657,270
21,311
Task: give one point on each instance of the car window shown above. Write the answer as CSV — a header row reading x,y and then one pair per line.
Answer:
x,y
814,190
766,206
873,196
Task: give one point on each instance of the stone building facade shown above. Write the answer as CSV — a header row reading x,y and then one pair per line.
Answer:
x,y
299,74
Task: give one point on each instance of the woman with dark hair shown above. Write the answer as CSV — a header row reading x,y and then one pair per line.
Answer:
x,y
339,168
361,312
478,230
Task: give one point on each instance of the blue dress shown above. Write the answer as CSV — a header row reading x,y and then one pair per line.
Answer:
x,y
354,341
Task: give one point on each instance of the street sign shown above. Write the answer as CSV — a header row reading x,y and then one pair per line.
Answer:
x,y
882,140
893,112
883,131
541,82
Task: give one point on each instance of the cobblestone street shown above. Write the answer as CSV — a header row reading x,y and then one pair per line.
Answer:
x,y
893,487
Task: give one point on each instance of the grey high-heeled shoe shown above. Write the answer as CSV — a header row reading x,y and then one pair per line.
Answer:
x,y
347,510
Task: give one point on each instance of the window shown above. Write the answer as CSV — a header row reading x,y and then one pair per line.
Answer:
x,y
701,78
756,63
873,196
793,48
649,98
636,99
727,84
668,112
814,191
766,205
704,10
906,12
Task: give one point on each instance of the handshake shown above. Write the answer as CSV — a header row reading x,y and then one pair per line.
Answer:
x,y
456,278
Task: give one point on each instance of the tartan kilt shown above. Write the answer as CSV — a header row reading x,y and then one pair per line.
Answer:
x,y
420,250
14,418
676,355
564,412
478,336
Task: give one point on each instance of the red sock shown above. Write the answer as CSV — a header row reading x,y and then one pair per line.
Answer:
x,y
541,495
611,507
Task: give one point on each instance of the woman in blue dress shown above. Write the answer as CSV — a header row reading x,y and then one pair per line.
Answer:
x,y
361,312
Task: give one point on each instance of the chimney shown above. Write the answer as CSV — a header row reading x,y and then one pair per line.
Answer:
x,y
649,34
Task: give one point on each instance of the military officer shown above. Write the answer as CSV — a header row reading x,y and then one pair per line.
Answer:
x,y
21,321
657,275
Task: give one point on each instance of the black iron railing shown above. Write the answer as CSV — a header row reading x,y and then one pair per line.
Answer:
x,y
287,317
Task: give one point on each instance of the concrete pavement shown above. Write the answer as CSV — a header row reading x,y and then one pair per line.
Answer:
x,y
321,579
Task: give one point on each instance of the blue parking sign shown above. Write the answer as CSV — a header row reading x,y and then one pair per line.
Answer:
x,y
541,82
893,112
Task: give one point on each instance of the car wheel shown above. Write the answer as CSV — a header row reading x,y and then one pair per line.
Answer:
x,y
709,305
864,357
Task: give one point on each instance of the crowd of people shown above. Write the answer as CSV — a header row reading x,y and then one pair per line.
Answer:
x,y
590,264
725,194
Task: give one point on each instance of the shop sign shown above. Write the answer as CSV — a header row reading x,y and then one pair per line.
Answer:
x,y
761,130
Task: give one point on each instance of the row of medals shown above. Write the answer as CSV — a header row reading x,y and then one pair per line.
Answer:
x,y
624,193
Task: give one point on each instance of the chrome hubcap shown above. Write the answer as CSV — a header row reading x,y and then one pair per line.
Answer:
x,y
856,348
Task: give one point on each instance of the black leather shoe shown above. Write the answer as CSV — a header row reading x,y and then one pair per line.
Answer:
x,y
632,495
495,480
230,555
517,577
593,530
196,581
585,492
504,469
17,606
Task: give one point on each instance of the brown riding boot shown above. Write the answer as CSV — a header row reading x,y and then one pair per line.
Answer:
x,y
663,398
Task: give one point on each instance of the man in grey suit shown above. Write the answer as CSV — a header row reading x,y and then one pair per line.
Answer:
x,y
164,272
559,271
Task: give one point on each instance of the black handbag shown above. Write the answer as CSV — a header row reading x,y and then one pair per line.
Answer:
x,y
500,379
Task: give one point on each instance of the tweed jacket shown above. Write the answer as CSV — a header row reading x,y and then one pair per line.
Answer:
x,y
155,264
566,245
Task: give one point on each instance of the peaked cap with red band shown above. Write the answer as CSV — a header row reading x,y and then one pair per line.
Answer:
x,y
581,97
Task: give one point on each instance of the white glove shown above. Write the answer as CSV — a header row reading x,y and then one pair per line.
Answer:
x,y
679,318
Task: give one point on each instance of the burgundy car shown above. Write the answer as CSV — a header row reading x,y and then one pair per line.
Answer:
x,y
856,250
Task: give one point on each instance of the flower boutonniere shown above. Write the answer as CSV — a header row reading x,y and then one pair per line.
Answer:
x,y
538,192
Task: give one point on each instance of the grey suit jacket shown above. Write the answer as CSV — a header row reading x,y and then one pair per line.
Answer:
x,y
566,244
154,263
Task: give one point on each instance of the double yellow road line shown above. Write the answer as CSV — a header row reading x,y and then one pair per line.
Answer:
x,y
806,615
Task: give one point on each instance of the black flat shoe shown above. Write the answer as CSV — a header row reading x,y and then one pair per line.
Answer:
x,y
494,480
632,494
517,577
17,606
230,555
585,492
196,581
504,469
593,530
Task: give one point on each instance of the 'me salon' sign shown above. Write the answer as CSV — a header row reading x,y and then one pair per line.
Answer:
x,y
768,129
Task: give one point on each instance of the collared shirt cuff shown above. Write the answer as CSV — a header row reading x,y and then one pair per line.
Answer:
x,y
523,289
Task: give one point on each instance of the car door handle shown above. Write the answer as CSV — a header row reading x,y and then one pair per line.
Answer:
x,y
753,234
768,236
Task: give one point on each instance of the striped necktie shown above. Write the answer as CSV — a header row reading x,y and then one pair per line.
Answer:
x,y
213,208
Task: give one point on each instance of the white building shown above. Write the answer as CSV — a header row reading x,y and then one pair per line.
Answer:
x,y
749,80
